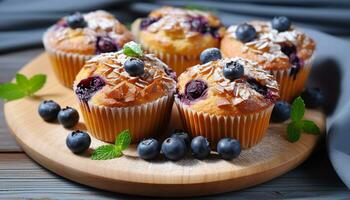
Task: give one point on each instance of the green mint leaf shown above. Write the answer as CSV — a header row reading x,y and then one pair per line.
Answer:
x,y
36,83
132,49
310,127
11,91
298,109
123,140
22,81
105,152
293,132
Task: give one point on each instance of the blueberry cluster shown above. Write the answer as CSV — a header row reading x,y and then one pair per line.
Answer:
x,y
176,146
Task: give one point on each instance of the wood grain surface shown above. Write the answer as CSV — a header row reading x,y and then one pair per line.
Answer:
x,y
21,178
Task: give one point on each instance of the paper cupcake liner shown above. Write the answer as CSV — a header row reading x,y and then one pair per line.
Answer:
x,y
290,87
248,129
143,121
65,65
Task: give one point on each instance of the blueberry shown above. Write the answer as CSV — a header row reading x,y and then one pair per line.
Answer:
x,y
195,89
105,44
245,32
76,21
48,110
86,88
281,112
148,149
210,54
78,141
233,70
182,135
134,67
147,22
174,148
313,97
200,147
258,87
228,148
281,23
68,117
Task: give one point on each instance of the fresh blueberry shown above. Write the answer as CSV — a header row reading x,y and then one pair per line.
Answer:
x,y
281,112
210,54
48,110
78,141
281,23
148,149
233,70
313,97
228,148
87,87
105,44
245,32
134,67
194,89
76,21
182,135
174,148
68,117
200,147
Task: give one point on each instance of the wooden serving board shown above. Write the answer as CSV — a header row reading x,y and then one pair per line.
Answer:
x,y
45,143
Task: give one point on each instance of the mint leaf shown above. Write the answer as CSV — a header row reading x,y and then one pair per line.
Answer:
x,y
105,152
11,91
310,127
298,109
132,49
22,81
36,83
123,140
293,132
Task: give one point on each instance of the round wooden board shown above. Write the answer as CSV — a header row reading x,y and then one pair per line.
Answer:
x,y
45,143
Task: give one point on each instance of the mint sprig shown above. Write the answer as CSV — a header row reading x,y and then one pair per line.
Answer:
x,y
23,87
132,49
110,151
298,124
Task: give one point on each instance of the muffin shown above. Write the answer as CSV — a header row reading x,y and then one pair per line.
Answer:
x,y
284,51
77,38
177,36
229,97
117,91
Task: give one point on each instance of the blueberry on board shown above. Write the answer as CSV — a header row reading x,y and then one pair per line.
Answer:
x,y
281,112
134,67
194,89
228,148
76,21
210,54
245,32
48,110
78,141
174,148
281,23
233,70
68,117
148,149
200,147
182,135
313,97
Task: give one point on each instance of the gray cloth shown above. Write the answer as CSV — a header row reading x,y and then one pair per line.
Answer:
x,y
22,23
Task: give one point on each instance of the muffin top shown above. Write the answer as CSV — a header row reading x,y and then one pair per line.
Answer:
x,y
88,34
228,86
272,49
181,31
122,79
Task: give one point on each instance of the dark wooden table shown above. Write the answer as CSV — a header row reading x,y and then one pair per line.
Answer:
x,y
22,178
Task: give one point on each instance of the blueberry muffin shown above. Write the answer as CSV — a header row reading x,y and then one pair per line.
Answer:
x,y
278,47
76,38
177,36
117,92
229,97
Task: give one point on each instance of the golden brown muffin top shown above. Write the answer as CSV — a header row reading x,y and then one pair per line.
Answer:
x,y
102,33
179,31
268,47
103,81
204,88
